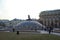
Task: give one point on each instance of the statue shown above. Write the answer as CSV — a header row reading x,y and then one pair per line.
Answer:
x,y
29,17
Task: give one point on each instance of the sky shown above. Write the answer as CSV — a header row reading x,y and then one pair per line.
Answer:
x,y
20,9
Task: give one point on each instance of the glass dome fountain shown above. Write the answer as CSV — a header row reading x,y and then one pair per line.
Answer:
x,y
29,24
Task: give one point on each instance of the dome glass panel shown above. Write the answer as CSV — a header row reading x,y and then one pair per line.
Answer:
x,y
28,25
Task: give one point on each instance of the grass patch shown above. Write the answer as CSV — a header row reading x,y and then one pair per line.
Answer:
x,y
27,36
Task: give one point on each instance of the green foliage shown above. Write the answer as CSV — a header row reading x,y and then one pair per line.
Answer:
x,y
27,36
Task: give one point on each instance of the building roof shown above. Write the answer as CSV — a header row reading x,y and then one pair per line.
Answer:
x,y
50,12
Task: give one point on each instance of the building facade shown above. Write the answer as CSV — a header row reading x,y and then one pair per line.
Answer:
x,y
50,18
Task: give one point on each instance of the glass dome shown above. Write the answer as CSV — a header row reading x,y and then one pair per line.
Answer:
x,y
28,25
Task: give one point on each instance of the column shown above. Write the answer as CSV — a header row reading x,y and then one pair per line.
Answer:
x,y
57,22
54,22
50,23
46,22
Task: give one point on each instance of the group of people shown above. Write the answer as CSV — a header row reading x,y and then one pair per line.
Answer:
x,y
14,31
49,30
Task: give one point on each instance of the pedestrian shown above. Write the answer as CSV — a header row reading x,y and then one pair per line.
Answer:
x,y
50,30
17,32
13,30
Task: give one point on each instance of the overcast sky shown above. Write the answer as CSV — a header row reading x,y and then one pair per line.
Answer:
x,y
10,9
